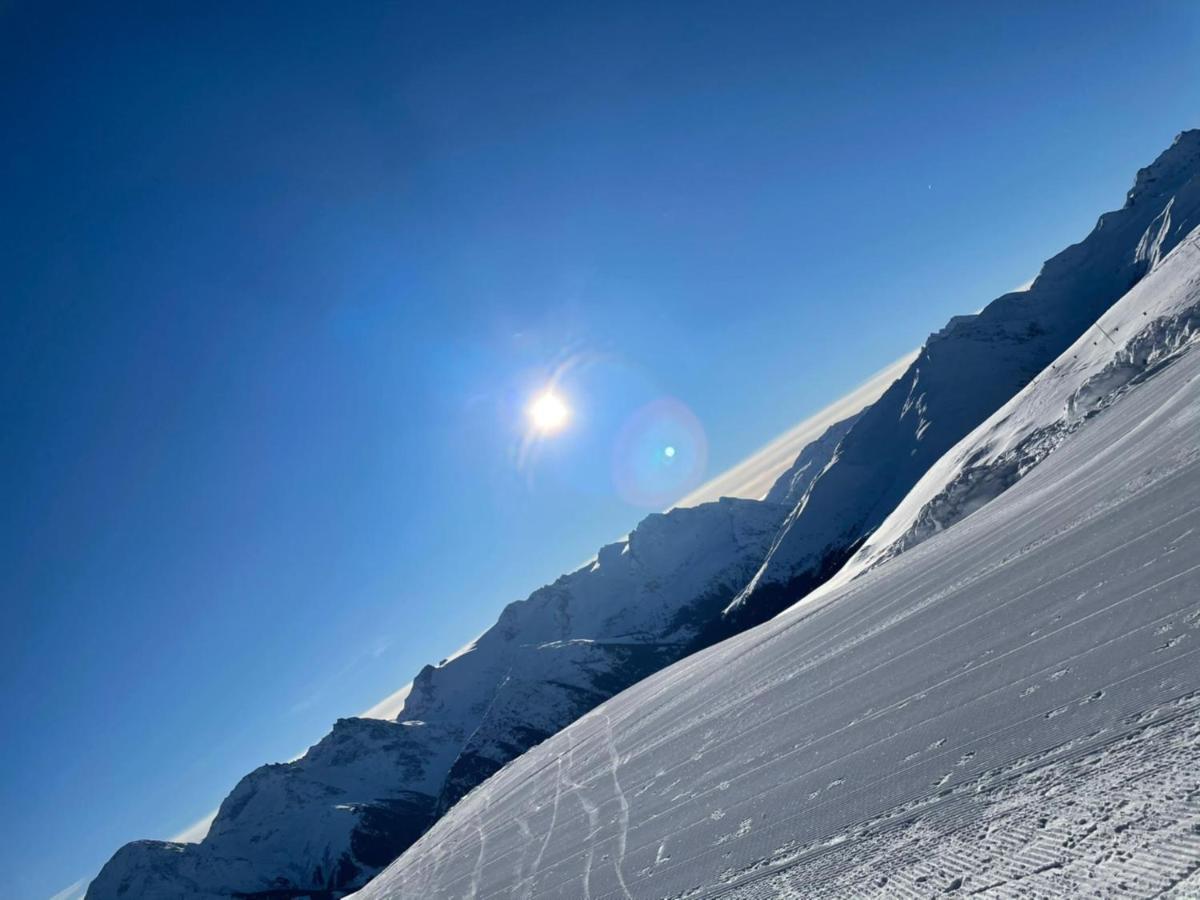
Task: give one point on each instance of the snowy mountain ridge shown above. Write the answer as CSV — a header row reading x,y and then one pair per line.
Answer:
x,y
966,371
1122,350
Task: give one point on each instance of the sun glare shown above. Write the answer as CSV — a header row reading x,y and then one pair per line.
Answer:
x,y
548,413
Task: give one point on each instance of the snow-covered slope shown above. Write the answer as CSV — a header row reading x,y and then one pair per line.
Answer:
x,y
1010,708
964,373
1144,332
334,817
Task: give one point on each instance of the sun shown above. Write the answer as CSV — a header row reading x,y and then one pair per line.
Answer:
x,y
548,412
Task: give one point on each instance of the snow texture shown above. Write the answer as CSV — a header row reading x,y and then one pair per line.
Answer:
x,y
328,821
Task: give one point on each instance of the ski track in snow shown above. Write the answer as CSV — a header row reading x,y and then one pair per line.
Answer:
x,y
477,872
1009,709
537,860
623,834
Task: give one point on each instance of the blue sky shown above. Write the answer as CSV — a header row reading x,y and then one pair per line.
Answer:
x,y
277,282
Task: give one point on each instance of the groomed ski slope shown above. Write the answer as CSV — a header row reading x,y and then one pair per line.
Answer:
x,y
1010,708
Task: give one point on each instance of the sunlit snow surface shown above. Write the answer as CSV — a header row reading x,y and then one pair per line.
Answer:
x,y
1009,708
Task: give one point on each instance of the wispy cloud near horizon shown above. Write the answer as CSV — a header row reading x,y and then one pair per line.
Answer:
x,y
72,891
389,707
752,477
195,832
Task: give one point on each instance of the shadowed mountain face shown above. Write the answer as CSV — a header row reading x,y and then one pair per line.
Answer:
x,y
326,823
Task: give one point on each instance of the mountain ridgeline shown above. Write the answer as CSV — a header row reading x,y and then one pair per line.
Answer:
x,y
326,823
963,374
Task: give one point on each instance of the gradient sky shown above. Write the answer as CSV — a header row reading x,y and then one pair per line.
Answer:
x,y
277,281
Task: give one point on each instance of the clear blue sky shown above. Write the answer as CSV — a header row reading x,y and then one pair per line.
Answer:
x,y
276,281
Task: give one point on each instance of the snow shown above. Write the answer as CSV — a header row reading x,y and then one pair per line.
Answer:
x,y
791,486
1010,707
1145,330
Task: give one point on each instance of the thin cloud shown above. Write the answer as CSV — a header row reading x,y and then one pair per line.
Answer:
x,y
72,891
389,707
753,476
371,651
195,832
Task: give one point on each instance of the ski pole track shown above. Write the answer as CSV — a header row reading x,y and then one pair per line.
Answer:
x,y
623,836
537,861
477,872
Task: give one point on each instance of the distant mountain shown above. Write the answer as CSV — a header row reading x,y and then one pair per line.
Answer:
x,y
327,822
964,373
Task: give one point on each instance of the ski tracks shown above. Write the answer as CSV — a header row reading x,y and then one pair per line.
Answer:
x,y
623,833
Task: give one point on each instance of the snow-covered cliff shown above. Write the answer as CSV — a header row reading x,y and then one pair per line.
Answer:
x,y
1145,332
967,371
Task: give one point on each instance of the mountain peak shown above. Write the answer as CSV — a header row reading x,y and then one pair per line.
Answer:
x,y
1173,168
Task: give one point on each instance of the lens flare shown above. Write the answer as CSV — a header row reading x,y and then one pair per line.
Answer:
x,y
661,453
